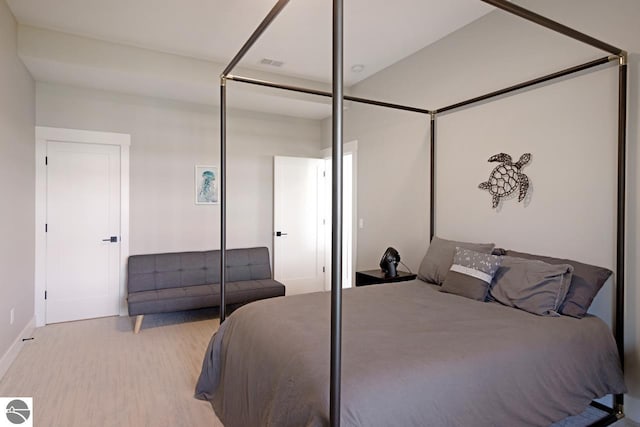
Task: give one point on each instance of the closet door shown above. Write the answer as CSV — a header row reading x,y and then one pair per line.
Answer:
x,y
83,231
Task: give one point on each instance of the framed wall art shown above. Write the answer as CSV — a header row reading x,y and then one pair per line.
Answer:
x,y
206,185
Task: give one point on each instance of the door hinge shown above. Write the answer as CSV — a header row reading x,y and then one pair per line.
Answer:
x,y
46,160
45,294
46,228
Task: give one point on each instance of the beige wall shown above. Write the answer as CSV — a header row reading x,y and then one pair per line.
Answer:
x,y
17,186
569,127
167,139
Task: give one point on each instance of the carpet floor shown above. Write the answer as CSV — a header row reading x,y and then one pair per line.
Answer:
x,y
98,373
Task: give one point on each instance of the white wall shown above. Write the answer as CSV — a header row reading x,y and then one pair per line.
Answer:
x,y
572,170
569,127
17,186
62,58
167,139
392,182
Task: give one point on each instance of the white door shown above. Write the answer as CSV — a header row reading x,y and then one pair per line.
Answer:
x,y
83,231
298,248
347,220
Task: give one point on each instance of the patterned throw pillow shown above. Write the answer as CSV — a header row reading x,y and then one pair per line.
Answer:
x,y
471,274
437,262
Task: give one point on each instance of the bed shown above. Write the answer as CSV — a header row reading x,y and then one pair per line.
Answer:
x,y
408,350
518,376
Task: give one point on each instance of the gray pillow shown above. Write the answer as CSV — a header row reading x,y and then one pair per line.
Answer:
x,y
585,284
471,274
437,262
531,285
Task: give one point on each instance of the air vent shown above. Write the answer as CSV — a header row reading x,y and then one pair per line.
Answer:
x,y
271,62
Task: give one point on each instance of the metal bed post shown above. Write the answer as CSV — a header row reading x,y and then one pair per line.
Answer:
x,y
529,83
618,399
223,145
514,9
223,196
273,13
308,91
432,179
336,214
617,411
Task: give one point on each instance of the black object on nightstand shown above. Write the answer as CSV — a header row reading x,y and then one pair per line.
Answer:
x,y
374,277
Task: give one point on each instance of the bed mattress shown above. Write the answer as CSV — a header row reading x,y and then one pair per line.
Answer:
x,y
411,356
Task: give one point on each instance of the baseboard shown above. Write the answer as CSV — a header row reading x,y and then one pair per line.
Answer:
x,y
11,354
631,407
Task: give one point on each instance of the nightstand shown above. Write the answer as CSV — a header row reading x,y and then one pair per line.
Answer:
x,y
374,277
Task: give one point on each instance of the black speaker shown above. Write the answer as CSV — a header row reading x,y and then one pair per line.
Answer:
x,y
389,262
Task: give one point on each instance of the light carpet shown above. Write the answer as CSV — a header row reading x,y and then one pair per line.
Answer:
x,y
98,373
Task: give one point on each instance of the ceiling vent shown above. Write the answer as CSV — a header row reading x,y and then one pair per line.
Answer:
x,y
271,62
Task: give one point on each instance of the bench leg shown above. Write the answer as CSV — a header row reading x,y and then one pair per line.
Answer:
x,y
139,318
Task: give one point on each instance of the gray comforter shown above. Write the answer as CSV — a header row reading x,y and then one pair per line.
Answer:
x,y
412,356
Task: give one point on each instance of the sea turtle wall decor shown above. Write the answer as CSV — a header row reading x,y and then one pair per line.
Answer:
x,y
507,177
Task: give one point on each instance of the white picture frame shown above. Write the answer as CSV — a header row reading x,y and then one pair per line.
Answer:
x,y
206,185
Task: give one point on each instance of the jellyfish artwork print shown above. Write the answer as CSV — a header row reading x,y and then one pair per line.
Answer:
x,y
206,185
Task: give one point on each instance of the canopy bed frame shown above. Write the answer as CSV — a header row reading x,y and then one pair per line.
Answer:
x,y
615,54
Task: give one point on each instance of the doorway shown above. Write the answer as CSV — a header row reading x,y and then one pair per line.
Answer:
x,y
302,221
81,224
349,213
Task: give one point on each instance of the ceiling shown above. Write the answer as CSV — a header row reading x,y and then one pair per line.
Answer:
x,y
378,33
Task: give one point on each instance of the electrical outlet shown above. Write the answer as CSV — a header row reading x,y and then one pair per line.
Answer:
x,y
11,316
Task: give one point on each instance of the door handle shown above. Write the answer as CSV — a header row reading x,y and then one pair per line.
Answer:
x,y
280,233
112,239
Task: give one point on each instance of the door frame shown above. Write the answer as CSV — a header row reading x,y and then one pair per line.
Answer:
x,y
44,134
350,147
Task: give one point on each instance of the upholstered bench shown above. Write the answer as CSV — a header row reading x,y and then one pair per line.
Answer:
x,y
162,283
